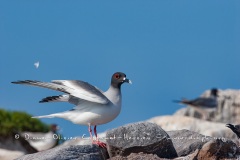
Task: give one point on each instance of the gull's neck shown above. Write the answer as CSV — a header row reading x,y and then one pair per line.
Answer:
x,y
114,95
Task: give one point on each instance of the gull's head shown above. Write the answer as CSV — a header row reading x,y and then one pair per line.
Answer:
x,y
118,79
214,92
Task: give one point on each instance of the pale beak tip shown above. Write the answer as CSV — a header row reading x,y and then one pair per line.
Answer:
x,y
130,82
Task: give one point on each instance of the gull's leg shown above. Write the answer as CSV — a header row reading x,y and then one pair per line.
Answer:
x,y
101,144
90,132
95,132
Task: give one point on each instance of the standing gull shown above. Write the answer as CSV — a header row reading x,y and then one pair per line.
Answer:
x,y
201,104
92,106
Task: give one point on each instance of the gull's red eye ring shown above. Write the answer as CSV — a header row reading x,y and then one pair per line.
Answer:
x,y
117,76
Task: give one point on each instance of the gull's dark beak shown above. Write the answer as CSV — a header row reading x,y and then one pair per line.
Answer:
x,y
127,80
230,126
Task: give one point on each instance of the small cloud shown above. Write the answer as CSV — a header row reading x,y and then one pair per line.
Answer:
x,y
36,64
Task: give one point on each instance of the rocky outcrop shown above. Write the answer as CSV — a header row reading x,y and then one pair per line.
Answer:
x,y
193,146
183,135
146,140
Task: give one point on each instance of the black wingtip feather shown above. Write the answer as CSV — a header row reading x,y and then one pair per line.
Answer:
x,y
16,82
24,82
42,101
51,98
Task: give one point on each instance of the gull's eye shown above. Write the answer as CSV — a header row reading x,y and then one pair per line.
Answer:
x,y
117,76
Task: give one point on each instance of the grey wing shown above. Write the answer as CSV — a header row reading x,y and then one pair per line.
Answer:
x,y
75,88
204,102
48,85
84,90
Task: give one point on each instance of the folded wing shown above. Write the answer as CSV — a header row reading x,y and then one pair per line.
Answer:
x,y
204,102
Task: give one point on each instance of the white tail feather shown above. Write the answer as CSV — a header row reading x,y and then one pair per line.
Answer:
x,y
45,116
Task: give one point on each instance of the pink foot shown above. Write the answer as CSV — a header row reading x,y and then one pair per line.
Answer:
x,y
100,144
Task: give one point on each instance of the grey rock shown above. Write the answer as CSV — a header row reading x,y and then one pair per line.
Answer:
x,y
140,137
186,142
77,152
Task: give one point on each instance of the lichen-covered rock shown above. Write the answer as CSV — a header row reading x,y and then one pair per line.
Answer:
x,y
143,137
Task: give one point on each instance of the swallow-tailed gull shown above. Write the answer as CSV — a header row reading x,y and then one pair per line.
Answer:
x,y
202,104
92,106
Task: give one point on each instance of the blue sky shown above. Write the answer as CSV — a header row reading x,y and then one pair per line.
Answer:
x,y
169,49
